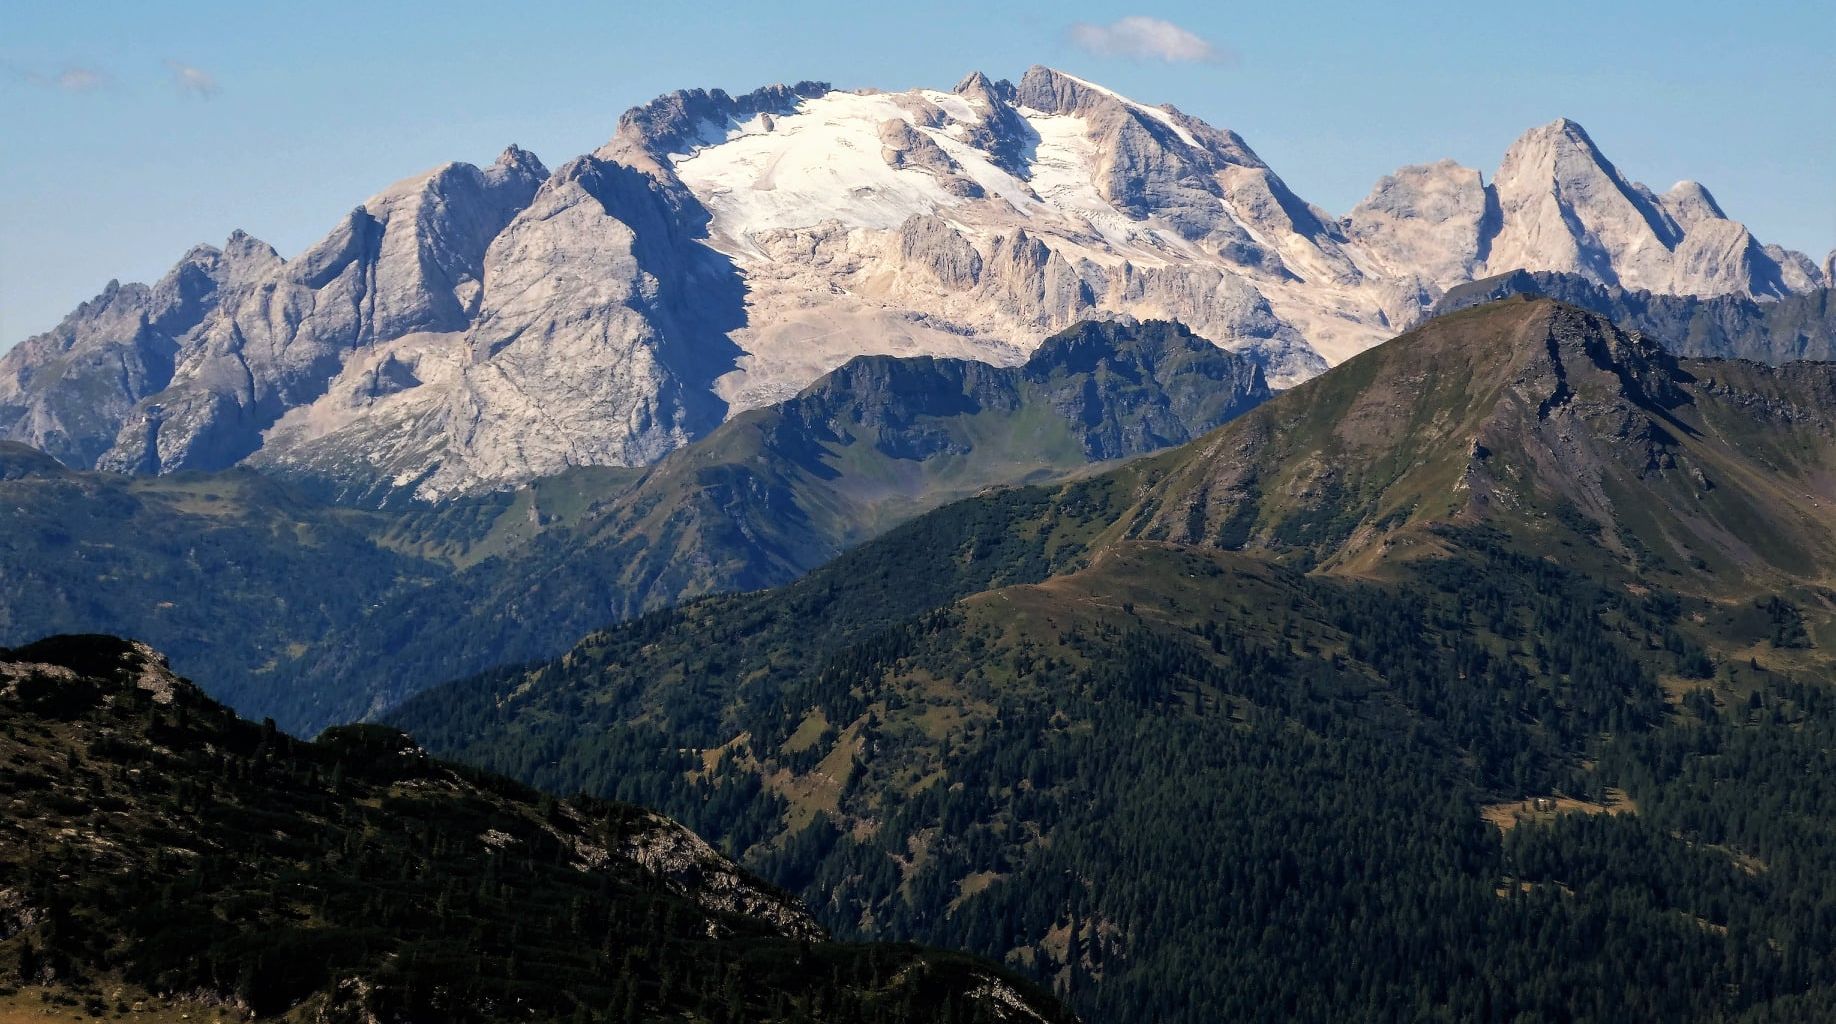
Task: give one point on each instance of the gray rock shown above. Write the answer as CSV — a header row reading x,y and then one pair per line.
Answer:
x,y
409,260
68,391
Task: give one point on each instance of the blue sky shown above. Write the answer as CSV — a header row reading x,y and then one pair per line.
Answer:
x,y
133,130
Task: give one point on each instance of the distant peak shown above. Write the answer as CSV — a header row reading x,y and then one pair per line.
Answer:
x,y
977,86
973,82
203,252
1560,142
519,161
1055,92
1560,130
673,121
1694,192
516,156
242,246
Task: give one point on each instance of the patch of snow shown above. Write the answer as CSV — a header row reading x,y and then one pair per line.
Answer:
x,y
954,106
822,163
1062,176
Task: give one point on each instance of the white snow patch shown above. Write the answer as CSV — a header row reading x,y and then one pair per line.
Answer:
x,y
953,106
818,165
1062,176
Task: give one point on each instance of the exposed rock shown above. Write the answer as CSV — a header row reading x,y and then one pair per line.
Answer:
x,y
690,867
409,260
68,390
906,147
929,243
1427,221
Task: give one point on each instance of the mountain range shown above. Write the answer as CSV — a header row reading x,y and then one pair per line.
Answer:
x,y
1481,677
1005,520
472,329
315,613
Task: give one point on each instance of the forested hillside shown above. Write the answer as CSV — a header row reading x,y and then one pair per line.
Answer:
x,y
1437,688
158,853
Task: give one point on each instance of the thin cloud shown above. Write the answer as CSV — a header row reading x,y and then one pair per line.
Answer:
x,y
1139,37
71,79
192,81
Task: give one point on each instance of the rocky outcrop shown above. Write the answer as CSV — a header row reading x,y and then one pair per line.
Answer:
x,y
689,867
68,391
1429,222
597,343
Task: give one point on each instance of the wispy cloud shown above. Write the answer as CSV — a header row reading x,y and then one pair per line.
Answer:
x,y
192,81
71,79
1143,38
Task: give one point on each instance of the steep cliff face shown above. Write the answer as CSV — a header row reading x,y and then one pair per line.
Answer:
x,y
68,391
596,343
408,261
471,329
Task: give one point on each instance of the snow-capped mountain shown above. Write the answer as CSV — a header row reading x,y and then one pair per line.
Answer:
x,y
472,328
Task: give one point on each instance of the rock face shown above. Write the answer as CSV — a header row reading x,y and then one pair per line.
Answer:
x,y
69,391
469,329
596,343
1559,205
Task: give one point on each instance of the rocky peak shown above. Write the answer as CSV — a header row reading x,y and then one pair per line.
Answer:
x,y
677,122
1566,207
1621,365
1429,219
244,259
977,86
519,162
1054,92
1561,160
1690,204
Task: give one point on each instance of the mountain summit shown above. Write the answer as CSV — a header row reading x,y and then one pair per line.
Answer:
x,y
471,328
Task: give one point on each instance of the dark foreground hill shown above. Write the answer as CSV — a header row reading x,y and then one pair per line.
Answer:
x,y
1480,678
160,853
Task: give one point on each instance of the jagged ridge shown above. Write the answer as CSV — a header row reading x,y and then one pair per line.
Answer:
x,y
470,329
